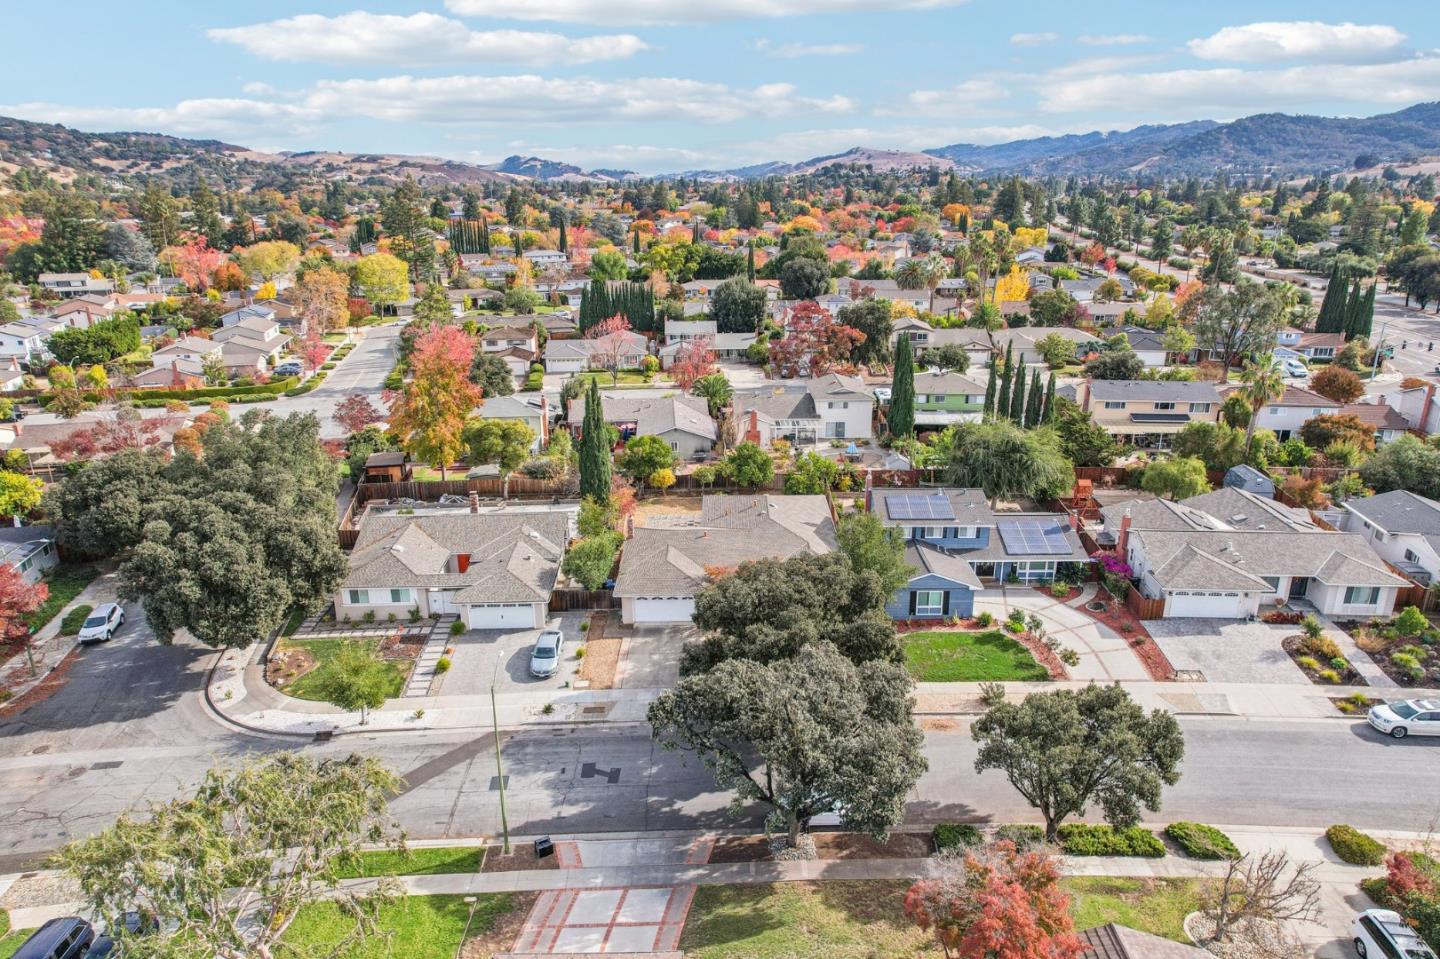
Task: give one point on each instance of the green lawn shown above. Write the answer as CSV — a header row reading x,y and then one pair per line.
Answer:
x,y
292,622
425,861
1156,906
969,657
627,378
324,651
65,582
417,927
865,920
10,940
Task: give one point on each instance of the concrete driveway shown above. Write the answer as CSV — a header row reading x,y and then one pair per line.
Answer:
x,y
650,657
1105,655
1228,650
502,657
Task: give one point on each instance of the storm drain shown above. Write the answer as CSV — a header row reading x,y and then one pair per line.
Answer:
x,y
112,764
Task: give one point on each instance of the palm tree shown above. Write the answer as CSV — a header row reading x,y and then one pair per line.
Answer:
x,y
1262,381
922,272
716,390
1191,240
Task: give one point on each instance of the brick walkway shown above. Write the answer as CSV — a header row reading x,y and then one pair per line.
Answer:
x,y
633,919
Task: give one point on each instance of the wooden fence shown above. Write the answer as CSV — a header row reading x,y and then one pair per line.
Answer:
x,y
1105,476
564,600
1142,607
1414,595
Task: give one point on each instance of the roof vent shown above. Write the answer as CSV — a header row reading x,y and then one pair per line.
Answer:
x,y
1239,518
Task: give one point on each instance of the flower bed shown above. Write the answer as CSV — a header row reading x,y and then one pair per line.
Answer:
x,y
1410,660
1118,617
1281,617
1321,661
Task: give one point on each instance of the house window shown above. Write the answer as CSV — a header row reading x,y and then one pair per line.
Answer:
x,y
1114,404
1362,595
1199,407
929,602
938,398
1274,582
1411,557
1164,406
1274,411
964,532
400,595
359,597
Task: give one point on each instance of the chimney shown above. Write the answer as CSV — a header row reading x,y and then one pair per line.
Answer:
x,y
1123,543
630,526
1424,423
462,562
544,420
474,501
1085,404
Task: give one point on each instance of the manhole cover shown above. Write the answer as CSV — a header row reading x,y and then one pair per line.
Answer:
x,y
113,764
1189,676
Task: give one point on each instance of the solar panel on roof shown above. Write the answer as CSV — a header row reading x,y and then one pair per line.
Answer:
x,y
932,506
1033,538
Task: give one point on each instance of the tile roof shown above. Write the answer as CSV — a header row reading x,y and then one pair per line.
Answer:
x,y
730,530
514,557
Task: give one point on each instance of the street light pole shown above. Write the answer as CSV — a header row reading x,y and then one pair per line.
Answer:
x,y
1375,361
499,770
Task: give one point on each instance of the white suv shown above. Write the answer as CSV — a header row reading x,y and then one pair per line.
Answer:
x,y
1382,934
1419,717
101,624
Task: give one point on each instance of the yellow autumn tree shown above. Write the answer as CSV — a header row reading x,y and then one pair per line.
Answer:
x,y
956,213
267,291
1028,236
805,222
1012,286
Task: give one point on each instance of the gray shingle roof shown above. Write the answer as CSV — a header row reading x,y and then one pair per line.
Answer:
x,y
927,560
969,506
1149,391
671,561
1339,559
514,557
651,415
1241,509
1113,941
1399,511
931,382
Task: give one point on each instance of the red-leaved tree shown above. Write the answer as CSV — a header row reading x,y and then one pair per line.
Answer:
x,y
17,599
355,412
813,342
612,340
694,359
429,413
997,903
125,430
196,263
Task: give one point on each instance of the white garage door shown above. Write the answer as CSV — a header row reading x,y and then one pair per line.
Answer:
x,y
664,609
1209,605
502,616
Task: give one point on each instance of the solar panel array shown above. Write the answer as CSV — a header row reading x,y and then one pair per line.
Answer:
x,y
930,506
1033,539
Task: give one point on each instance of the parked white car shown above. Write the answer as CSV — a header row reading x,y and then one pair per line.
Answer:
x,y
545,657
1382,934
102,623
1408,717
1296,369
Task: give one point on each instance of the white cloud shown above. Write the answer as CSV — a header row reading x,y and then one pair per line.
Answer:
x,y
790,51
1189,93
1115,39
237,118
962,99
650,159
675,11
420,38
1033,39
1300,39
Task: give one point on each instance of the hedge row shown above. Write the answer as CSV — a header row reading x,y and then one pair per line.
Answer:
x,y
953,835
273,388
1082,839
1354,847
1201,841
308,385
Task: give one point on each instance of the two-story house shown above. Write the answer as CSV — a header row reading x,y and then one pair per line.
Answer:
x,y
23,341
1146,413
955,542
830,407
678,331
943,399
541,259
1403,527
1285,416
67,285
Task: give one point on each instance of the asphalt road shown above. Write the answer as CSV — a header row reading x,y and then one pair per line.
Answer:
x,y
362,371
129,728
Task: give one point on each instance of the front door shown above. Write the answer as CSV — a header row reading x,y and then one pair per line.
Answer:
x,y
985,570
1298,586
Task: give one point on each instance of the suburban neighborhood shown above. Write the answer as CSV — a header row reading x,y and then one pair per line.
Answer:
x,y
1027,548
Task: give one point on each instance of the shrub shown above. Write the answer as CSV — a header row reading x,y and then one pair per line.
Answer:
x,y
1082,839
1354,847
1201,841
1017,616
1321,647
1024,836
1411,622
1339,664
442,665
950,835
992,694
986,618
74,619
1312,627
456,628
1308,662
1059,590
1329,676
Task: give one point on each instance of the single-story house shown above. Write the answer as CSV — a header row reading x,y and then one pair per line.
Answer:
x,y
681,420
1112,941
662,568
495,569
1402,527
31,550
1148,345
535,415
172,373
1388,423
575,356
186,348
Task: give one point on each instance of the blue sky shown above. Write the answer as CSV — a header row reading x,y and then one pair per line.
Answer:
x,y
667,85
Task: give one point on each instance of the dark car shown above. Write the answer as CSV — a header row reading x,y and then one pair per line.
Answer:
x,y
135,923
69,937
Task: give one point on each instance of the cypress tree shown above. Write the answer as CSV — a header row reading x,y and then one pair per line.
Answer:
x,y
902,391
1365,315
594,451
990,390
636,235
563,244
1002,398
750,263
1033,402
1017,399
1049,416
1329,320
1352,312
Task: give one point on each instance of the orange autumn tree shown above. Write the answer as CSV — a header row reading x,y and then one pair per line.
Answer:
x,y
997,903
429,413
196,262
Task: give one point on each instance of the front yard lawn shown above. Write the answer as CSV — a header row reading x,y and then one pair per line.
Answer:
x,y
423,861
10,939
416,927
1157,906
65,582
627,378
955,657
324,650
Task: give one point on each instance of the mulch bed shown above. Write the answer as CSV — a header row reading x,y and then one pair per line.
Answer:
x,y
1293,648
43,690
1350,707
828,845
602,653
522,857
1071,594
287,664
1043,654
402,647
968,624
1381,649
1118,617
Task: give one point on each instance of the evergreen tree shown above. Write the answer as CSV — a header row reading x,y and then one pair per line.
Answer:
x,y
1017,399
1352,311
594,450
1002,399
1049,416
564,246
990,390
1034,402
902,395
636,236
1329,319
1364,315
750,263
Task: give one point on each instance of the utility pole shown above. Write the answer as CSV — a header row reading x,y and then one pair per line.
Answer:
x,y
499,771
1380,346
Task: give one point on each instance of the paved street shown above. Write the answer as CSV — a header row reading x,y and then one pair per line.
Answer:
x,y
363,371
129,727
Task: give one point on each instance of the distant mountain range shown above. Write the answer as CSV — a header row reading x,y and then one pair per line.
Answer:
x,y
1265,143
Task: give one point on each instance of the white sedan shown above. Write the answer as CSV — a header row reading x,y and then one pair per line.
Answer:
x,y
1417,717
1383,934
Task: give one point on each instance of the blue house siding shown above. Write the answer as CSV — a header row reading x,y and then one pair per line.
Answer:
x,y
960,599
950,541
